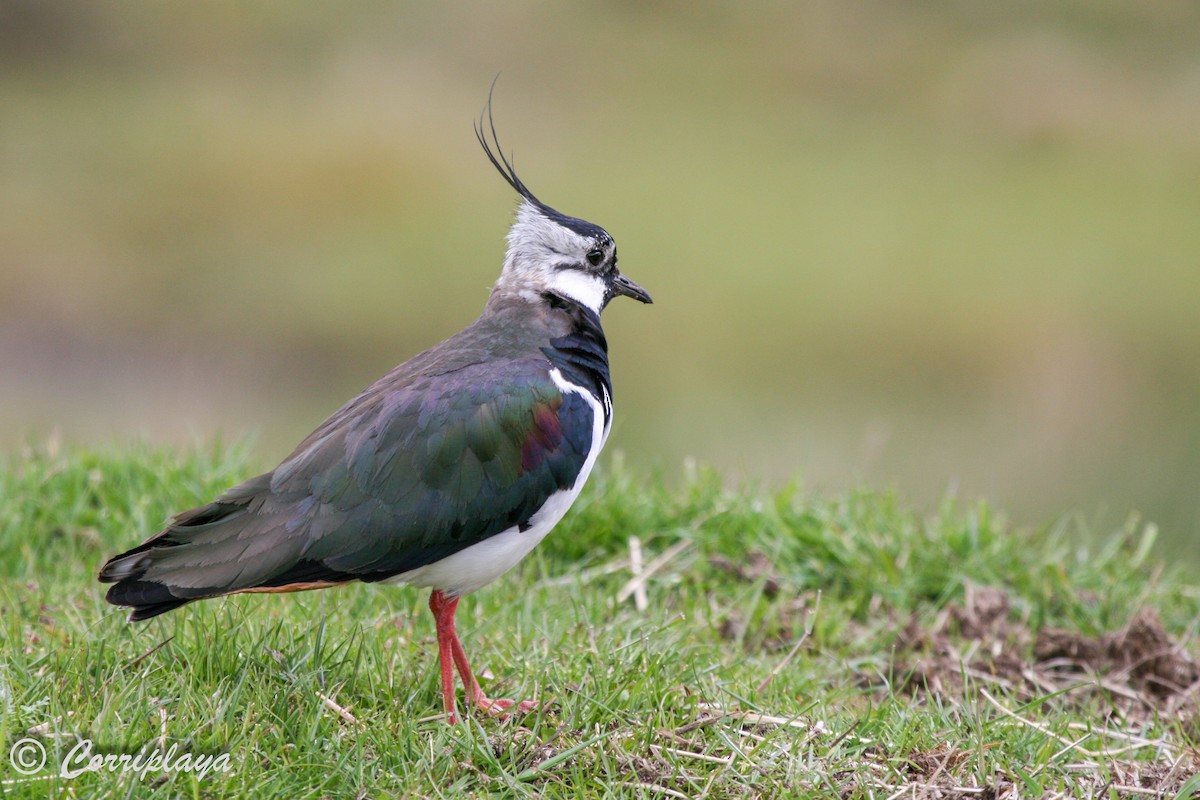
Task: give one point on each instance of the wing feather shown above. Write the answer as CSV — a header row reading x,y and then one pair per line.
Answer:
x,y
400,477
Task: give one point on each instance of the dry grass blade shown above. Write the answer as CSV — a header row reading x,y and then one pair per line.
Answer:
x,y
340,710
934,790
754,718
654,787
654,566
636,565
658,748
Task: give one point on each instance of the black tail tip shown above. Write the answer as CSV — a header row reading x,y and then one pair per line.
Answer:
x,y
140,613
146,598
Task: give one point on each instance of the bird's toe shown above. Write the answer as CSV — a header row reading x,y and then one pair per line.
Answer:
x,y
500,707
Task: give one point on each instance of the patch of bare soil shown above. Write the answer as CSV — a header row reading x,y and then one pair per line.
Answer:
x,y
530,751
943,774
1135,674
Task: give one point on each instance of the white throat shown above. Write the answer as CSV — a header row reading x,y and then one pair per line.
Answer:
x,y
587,290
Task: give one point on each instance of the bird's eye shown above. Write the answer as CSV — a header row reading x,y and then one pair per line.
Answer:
x,y
594,257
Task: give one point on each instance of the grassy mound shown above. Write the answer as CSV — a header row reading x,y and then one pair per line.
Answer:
x,y
748,644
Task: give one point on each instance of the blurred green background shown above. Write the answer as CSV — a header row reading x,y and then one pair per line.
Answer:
x,y
951,247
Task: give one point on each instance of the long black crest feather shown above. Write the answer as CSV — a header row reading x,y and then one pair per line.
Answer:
x,y
503,164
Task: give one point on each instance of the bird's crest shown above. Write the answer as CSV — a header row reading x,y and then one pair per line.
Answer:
x,y
501,162
485,132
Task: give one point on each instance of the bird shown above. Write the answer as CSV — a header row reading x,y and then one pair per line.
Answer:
x,y
444,473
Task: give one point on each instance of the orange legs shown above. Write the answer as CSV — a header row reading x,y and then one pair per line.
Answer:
x,y
450,652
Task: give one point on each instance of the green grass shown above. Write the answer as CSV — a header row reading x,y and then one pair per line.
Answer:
x,y
890,688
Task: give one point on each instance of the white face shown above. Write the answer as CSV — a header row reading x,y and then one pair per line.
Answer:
x,y
544,256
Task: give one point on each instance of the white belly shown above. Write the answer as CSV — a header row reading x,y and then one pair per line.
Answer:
x,y
478,565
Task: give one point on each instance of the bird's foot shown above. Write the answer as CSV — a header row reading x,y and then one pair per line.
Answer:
x,y
501,707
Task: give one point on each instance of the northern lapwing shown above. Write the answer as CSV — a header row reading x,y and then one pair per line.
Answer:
x,y
444,473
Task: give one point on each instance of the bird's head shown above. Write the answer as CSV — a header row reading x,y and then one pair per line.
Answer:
x,y
550,252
